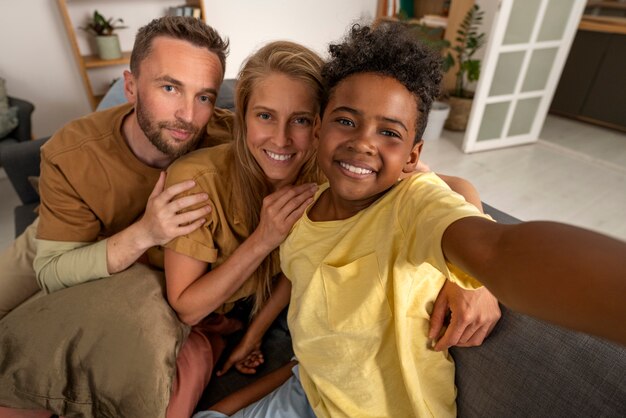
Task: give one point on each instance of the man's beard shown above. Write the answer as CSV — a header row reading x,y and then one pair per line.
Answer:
x,y
153,131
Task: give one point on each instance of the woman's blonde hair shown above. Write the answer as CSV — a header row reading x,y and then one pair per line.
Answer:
x,y
250,182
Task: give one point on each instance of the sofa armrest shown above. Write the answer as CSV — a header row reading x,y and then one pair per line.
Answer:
x,y
20,161
498,215
25,109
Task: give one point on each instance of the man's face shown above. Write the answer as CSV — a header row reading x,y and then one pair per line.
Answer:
x,y
174,94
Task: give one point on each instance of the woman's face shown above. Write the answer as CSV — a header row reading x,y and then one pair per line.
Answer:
x,y
280,118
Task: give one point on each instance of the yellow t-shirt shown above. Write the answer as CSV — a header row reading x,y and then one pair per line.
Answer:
x,y
224,231
362,293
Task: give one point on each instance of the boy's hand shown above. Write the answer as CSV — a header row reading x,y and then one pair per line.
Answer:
x,y
246,357
473,314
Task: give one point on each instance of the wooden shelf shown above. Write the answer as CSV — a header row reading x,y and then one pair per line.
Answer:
x,y
90,62
456,13
94,61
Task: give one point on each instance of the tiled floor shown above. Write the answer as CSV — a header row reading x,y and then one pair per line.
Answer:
x,y
576,174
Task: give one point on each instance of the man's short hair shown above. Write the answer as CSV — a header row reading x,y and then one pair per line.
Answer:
x,y
185,28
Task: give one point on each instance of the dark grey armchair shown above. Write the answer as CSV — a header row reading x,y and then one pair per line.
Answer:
x,y
23,130
13,147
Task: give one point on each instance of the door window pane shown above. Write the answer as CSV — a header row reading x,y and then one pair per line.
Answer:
x,y
493,121
506,74
555,20
524,116
539,69
521,21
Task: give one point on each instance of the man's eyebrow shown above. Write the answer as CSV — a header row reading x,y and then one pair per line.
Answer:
x,y
175,82
170,80
358,113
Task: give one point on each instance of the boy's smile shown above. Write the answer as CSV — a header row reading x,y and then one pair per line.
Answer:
x,y
367,140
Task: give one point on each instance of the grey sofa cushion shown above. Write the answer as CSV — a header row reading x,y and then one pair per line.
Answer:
x,y
529,368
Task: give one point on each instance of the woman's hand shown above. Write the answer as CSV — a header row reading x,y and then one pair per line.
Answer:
x,y
246,357
473,314
280,211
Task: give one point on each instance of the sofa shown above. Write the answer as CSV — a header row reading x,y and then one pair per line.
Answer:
x,y
525,368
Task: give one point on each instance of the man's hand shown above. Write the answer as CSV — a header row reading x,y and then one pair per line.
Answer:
x,y
473,314
163,221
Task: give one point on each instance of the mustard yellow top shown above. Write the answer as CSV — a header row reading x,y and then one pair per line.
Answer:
x,y
224,230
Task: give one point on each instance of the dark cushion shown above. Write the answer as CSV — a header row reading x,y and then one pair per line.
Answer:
x,y
21,160
277,351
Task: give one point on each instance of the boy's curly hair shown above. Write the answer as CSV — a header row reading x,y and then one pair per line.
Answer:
x,y
388,49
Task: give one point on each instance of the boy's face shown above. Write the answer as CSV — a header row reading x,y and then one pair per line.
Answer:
x,y
366,138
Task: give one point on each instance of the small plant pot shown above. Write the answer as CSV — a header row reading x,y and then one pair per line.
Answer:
x,y
460,108
109,47
436,118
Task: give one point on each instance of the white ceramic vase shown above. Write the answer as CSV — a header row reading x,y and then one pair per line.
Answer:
x,y
439,112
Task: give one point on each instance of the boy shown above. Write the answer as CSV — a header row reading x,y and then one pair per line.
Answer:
x,y
369,257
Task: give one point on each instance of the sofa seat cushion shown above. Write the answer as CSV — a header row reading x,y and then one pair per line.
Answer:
x,y
529,368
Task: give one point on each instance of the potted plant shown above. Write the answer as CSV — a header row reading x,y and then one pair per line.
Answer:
x,y
469,40
106,40
439,111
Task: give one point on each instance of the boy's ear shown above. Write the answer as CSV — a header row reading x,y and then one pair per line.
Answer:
x,y
413,158
130,87
317,126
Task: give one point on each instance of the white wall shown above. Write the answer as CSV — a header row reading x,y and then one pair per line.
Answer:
x,y
314,23
37,62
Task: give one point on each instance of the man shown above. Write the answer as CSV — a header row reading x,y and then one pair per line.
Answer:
x,y
171,89
98,172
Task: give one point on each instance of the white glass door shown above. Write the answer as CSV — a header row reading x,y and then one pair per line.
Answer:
x,y
525,54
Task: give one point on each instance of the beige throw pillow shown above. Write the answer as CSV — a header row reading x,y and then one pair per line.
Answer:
x,y
106,348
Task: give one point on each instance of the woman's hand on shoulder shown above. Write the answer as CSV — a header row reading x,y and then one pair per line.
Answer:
x,y
281,210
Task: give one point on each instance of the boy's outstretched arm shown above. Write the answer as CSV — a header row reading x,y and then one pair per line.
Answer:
x,y
560,273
